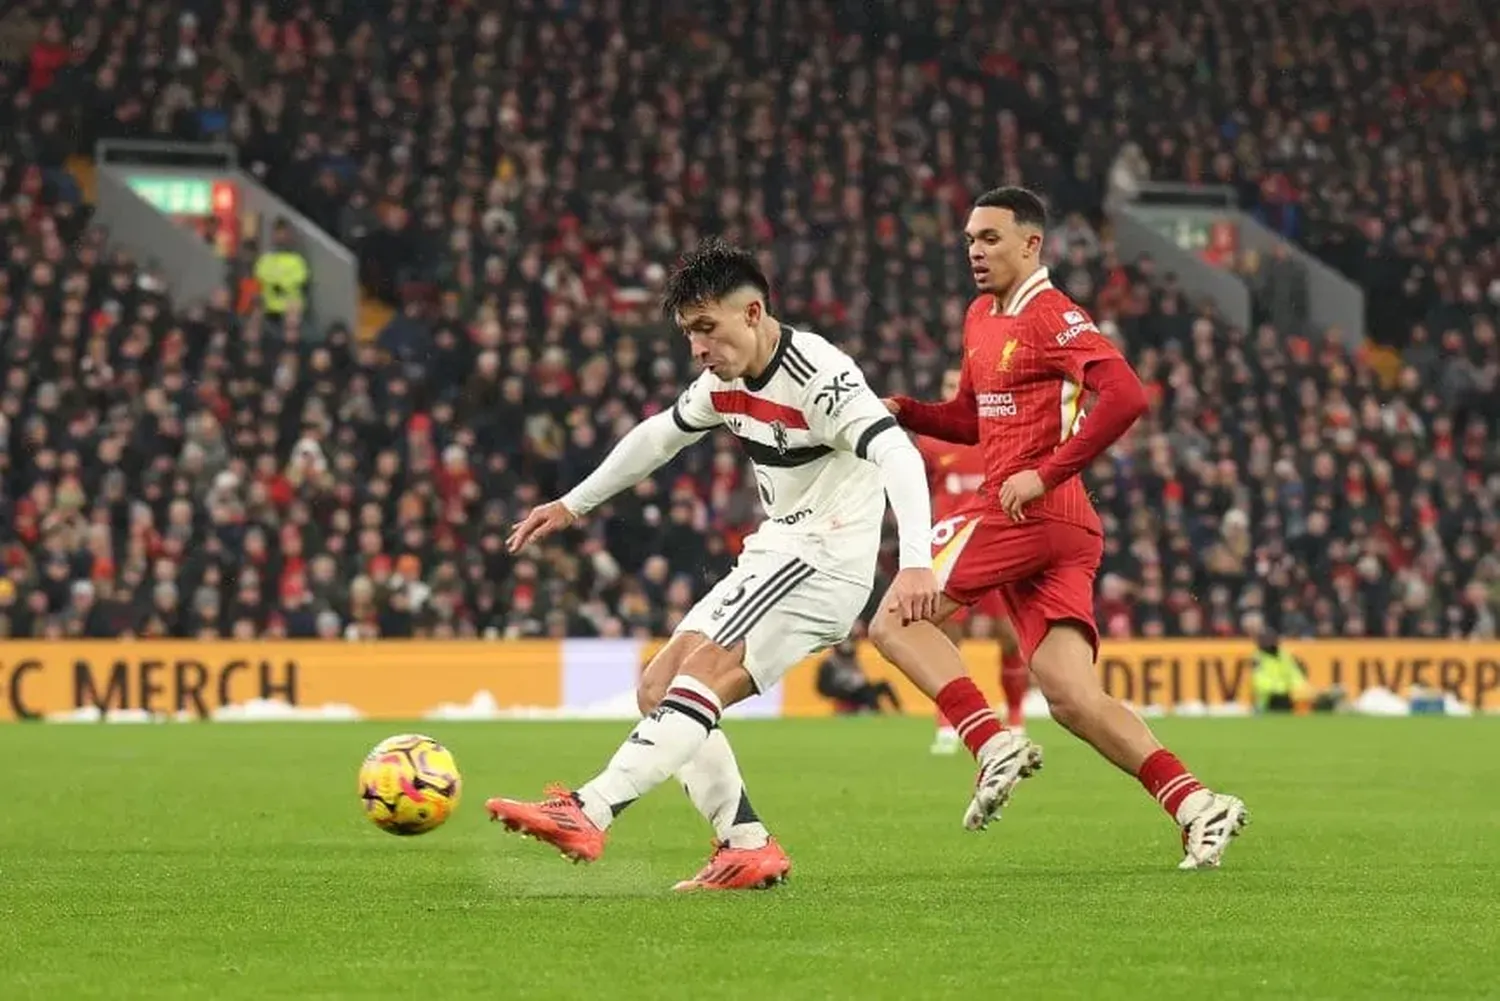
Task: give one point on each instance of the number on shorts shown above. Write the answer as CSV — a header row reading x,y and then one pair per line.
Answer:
x,y
944,531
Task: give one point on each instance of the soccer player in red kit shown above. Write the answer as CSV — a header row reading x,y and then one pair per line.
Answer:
x,y
954,475
1032,534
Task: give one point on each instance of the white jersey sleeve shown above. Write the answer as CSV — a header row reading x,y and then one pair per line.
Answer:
x,y
842,411
694,411
647,447
845,413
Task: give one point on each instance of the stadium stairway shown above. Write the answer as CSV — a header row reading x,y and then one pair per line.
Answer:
x,y
373,316
82,169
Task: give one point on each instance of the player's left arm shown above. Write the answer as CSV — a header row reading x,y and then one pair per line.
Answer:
x,y
844,413
1079,353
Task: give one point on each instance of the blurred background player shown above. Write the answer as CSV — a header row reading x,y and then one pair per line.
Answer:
x,y
844,683
954,473
1032,534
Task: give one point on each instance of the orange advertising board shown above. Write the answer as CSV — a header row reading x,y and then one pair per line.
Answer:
x,y
1167,673
409,679
390,680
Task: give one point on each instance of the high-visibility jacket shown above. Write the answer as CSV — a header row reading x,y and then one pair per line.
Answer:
x,y
1276,674
282,275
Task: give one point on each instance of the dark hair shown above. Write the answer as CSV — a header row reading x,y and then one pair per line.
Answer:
x,y
1026,205
709,272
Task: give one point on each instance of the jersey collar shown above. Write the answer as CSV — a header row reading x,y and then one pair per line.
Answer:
x,y
1037,282
759,382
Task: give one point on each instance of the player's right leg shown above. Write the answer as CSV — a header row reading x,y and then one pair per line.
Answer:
x,y
1015,678
946,741
968,563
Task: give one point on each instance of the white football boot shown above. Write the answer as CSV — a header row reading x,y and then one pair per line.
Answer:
x,y
1209,828
1004,762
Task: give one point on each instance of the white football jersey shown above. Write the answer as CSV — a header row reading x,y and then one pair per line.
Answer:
x,y
805,422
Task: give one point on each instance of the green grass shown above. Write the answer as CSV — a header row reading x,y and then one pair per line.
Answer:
x,y
232,862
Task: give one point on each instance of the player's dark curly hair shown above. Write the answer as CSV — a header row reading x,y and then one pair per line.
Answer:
x,y
1026,205
711,271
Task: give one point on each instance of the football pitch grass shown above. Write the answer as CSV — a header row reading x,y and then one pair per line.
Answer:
x,y
232,861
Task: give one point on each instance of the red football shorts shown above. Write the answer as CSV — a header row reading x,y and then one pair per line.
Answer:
x,y
988,604
1041,571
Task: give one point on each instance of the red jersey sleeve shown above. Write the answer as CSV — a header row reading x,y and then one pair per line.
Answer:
x,y
955,420
1068,339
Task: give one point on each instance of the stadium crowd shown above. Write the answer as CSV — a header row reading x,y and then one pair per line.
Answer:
x,y
1366,131
211,471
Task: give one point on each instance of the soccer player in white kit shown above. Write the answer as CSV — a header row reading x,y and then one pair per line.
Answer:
x,y
823,447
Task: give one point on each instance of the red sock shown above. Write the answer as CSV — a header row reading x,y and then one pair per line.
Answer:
x,y
1014,680
942,721
962,702
1168,780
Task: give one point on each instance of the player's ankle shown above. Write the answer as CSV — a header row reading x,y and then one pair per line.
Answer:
x,y
748,837
1193,804
997,744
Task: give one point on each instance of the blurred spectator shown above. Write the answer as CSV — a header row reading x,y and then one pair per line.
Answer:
x,y
282,273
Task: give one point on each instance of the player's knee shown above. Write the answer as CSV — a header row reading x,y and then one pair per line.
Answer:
x,y
1064,669
1067,706
885,627
648,695
722,669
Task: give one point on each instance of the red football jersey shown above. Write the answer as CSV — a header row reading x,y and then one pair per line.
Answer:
x,y
1023,365
954,474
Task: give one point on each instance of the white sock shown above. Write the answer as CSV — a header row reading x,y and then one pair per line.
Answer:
x,y
659,745
711,778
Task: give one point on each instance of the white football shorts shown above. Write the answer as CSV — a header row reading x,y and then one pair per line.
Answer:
x,y
782,608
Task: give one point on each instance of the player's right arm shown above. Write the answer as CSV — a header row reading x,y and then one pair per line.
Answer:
x,y
647,447
955,421
931,451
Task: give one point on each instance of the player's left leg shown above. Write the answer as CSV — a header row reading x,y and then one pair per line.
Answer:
x,y
1055,623
711,778
819,614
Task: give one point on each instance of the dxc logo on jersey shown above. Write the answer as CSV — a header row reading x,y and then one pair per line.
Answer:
x,y
835,392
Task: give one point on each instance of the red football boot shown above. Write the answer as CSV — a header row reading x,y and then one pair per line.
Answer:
x,y
559,820
741,868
